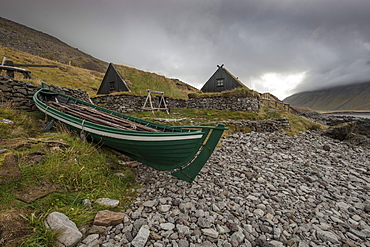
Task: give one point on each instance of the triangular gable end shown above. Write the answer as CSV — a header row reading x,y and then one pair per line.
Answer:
x,y
221,80
112,82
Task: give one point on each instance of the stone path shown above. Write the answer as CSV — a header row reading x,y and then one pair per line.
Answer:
x,y
257,189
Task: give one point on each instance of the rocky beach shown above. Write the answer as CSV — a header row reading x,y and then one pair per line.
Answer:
x,y
257,189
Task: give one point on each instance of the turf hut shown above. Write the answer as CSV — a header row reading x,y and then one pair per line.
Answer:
x,y
221,80
112,82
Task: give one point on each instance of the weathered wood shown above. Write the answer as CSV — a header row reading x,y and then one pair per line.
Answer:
x,y
116,119
80,114
93,115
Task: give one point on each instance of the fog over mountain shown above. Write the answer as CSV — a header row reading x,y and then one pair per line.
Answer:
x,y
283,47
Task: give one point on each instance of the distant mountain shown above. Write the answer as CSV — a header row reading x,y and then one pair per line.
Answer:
x,y
348,97
22,38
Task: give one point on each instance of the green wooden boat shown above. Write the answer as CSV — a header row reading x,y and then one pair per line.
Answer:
x,y
184,149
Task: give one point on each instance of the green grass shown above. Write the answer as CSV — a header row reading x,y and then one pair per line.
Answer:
x,y
139,81
84,169
302,124
211,117
197,116
64,75
238,92
22,123
41,235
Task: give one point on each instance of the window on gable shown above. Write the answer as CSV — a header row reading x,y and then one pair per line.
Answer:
x,y
111,86
220,82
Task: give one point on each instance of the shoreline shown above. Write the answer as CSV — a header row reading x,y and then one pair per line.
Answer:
x,y
364,112
361,114
258,189
348,114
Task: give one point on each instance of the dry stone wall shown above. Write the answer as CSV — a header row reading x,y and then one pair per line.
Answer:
x,y
20,93
225,103
276,104
129,103
123,103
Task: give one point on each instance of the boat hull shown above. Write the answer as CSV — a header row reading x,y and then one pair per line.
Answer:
x,y
174,148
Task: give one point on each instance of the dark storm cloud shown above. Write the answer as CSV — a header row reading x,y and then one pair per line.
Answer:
x,y
327,40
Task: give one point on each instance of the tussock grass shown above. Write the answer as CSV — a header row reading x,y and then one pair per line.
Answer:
x,y
139,81
211,117
302,124
67,75
238,92
40,236
64,75
23,123
85,171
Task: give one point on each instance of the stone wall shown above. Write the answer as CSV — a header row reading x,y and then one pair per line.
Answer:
x,y
225,103
20,93
126,103
276,104
129,103
123,103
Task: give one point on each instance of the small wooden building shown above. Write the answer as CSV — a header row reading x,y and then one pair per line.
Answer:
x,y
112,82
221,80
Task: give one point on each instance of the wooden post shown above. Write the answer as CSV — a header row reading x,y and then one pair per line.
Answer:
x,y
149,99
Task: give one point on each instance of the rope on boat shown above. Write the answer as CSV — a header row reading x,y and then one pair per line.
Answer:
x,y
82,133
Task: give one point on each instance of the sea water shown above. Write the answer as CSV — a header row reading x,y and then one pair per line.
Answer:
x,y
352,114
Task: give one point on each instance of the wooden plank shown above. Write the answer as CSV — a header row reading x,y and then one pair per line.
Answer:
x,y
96,116
117,119
80,114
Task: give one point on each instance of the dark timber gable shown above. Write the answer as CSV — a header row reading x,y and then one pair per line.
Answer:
x,y
112,82
221,80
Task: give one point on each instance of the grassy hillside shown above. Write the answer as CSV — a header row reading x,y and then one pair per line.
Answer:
x,y
350,97
63,75
23,38
58,171
90,80
139,81
76,69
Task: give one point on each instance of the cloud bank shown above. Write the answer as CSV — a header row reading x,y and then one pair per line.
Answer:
x,y
264,43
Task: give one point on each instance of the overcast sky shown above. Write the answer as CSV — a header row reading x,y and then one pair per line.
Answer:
x,y
280,46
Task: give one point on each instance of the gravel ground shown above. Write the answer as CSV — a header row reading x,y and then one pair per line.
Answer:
x,y
257,189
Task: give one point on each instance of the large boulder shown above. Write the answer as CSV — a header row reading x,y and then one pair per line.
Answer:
x,y
341,131
69,235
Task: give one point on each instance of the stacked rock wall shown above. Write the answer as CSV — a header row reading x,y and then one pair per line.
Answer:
x,y
123,103
226,103
20,93
129,103
276,104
